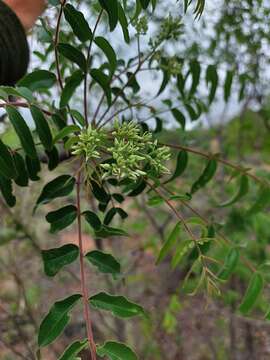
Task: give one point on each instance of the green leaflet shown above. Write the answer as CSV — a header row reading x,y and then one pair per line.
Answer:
x,y
119,198
212,78
7,165
92,219
179,117
155,201
195,70
42,127
109,52
71,85
230,264
73,54
186,4
55,259
103,81
183,197
119,306
7,191
124,23
228,85
196,220
57,319
138,189
68,130
263,200
154,4
181,165
116,351
145,3
242,191
111,214
181,251
111,7
243,78
22,175
133,83
199,8
206,176
181,82
105,263
252,294
62,218
159,125
33,168
59,120
59,187
165,81
38,80
137,11
73,350
204,248
53,158
99,192
22,131
194,115
77,116
78,23
107,231
169,243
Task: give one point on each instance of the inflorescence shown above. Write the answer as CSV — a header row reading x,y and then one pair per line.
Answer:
x,y
128,152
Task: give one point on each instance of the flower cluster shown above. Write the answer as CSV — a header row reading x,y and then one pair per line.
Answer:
x,y
173,66
141,25
171,28
132,153
88,143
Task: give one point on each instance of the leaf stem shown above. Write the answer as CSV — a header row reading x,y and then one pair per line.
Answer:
x,y
220,160
131,78
225,239
90,336
180,217
23,105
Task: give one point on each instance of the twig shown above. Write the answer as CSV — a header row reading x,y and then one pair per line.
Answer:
x,y
23,105
225,239
130,106
220,160
140,63
90,336
180,217
118,76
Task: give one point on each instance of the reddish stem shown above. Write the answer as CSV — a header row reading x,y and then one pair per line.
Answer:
x,y
87,318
